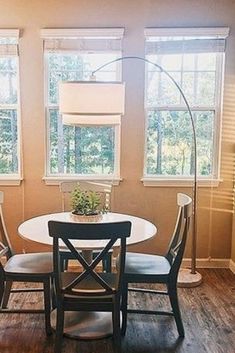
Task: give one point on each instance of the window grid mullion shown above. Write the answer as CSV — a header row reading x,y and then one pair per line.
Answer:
x,y
181,75
195,83
180,108
9,106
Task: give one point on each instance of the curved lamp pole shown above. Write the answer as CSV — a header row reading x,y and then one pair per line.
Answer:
x,y
75,98
190,277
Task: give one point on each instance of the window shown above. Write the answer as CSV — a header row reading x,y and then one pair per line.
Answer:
x,y
9,107
194,58
86,152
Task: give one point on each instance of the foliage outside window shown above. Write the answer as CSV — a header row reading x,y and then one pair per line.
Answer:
x,y
169,139
90,151
9,106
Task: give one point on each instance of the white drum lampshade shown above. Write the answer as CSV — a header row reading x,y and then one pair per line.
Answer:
x,y
87,120
82,102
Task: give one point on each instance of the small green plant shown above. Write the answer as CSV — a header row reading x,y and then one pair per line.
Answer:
x,y
85,202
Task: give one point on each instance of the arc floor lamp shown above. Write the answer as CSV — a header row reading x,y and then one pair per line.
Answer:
x,y
93,102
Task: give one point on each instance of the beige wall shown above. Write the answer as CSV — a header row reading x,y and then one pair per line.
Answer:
x,y
33,197
233,242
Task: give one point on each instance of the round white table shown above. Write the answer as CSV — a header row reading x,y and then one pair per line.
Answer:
x,y
85,325
36,229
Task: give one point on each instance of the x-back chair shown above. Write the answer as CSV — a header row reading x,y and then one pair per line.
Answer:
x,y
88,290
144,268
32,268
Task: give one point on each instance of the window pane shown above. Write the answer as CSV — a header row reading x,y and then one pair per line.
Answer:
x,y
170,62
80,150
205,137
170,145
8,142
189,62
160,89
207,61
189,87
206,89
62,67
75,67
8,80
195,73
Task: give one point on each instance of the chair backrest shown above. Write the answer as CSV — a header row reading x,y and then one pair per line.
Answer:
x,y
5,244
110,233
177,244
103,189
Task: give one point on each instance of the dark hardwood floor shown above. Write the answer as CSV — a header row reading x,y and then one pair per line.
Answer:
x,y
208,313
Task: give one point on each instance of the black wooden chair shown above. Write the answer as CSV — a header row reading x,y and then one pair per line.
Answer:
x,y
144,268
33,268
88,290
104,190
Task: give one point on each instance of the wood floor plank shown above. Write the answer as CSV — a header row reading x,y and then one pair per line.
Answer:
x,y
208,313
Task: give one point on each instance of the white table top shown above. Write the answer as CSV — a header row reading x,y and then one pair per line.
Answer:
x,y
36,229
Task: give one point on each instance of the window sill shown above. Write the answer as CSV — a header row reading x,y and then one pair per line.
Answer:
x,y
10,180
56,180
148,181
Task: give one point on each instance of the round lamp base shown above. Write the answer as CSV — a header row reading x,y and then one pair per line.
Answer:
x,y
188,280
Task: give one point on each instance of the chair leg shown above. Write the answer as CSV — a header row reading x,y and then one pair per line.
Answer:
x,y
124,303
64,264
53,295
6,295
172,290
59,329
2,284
47,305
107,263
116,326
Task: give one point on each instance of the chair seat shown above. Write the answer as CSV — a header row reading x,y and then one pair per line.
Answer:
x,y
34,263
89,284
144,264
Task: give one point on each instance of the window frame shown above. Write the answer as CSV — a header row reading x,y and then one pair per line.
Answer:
x,y
14,179
55,179
177,180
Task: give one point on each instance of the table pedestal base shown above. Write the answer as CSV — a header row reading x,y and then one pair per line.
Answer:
x,y
86,325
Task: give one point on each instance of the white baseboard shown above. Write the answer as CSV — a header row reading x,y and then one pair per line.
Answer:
x,y
208,263
232,265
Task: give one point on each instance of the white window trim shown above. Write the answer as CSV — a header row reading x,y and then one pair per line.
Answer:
x,y
118,33
173,181
54,33
10,180
14,179
56,180
179,182
220,32
12,33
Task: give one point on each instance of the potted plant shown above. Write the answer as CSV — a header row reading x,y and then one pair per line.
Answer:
x,y
85,202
